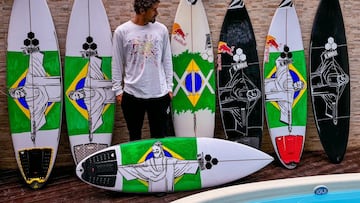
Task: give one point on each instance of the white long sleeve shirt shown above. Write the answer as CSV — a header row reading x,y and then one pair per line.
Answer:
x,y
141,61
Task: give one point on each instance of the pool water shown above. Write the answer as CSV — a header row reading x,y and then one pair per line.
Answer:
x,y
350,196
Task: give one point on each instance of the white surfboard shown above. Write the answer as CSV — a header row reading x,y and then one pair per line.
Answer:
x,y
194,100
89,100
170,164
285,85
35,89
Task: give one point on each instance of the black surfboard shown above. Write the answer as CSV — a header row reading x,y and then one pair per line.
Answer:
x,y
239,79
330,80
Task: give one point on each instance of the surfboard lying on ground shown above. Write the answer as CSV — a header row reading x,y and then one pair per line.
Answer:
x,y
89,100
239,80
285,85
170,164
194,100
35,89
330,80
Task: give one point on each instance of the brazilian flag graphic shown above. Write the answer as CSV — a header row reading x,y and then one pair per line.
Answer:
x,y
76,68
17,68
194,82
297,70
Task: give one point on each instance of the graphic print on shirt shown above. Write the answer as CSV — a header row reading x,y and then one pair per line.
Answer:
x,y
145,46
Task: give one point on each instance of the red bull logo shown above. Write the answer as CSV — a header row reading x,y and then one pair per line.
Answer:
x,y
223,48
270,42
178,34
178,31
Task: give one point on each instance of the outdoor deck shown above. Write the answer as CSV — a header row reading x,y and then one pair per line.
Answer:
x,y
64,186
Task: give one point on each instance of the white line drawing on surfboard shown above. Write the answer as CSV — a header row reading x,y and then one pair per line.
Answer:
x,y
329,74
239,88
282,87
96,92
159,171
39,88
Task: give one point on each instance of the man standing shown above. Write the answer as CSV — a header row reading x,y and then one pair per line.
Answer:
x,y
142,70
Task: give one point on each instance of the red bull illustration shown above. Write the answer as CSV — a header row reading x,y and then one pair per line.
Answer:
x,y
270,42
178,34
223,48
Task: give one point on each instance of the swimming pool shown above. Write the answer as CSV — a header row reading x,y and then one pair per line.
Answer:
x,y
344,188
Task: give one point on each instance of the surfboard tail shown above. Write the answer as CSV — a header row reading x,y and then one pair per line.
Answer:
x,y
290,148
35,165
100,169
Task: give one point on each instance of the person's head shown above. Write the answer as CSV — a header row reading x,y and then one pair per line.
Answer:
x,y
77,94
147,8
17,92
157,150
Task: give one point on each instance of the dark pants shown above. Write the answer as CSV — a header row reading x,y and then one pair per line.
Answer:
x,y
158,110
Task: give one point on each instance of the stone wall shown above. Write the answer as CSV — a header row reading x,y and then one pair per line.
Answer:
x,y
119,11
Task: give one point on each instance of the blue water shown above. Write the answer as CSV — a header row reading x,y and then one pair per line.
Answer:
x,y
349,196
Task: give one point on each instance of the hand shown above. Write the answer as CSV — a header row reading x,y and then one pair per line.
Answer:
x,y
119,98
170,95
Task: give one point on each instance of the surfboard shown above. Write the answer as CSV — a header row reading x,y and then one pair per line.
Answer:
x,y
238,78
89,100
170,164
194,100
285,85
319,188
35,89
330,80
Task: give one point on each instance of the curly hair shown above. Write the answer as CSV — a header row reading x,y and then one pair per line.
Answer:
x,y
143,4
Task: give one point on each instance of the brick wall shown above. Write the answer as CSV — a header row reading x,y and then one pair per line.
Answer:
x,y
119,11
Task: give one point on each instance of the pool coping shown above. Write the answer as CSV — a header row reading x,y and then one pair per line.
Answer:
x,y
276,188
